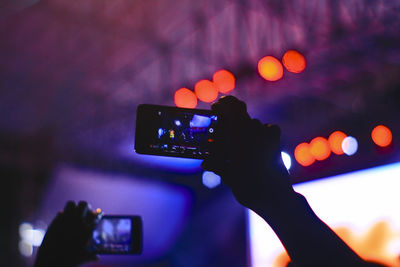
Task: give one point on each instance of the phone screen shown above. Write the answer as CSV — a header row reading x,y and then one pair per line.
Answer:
x,y
174,132
117,235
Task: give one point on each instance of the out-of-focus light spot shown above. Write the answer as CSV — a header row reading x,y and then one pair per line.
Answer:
x,y
335,142
302,154
287,161
394,247
160,132
210,179
185,98
382,136
24,227
224,81
30,238
98,210
319,148
177,123
25,248
33,237
206,91
270,68
350,145
294,61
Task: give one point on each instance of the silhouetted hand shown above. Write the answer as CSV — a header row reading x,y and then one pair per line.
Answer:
x,y
247,156
66,241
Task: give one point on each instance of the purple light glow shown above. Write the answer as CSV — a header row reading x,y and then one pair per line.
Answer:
x,y
171,164
163,207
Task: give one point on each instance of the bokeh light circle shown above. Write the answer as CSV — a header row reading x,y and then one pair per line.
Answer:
x,y
224,81
287,160
270,68
25,249
206,91
335,142
294,61
350,145
302,154
382,136
185,98
210,179
319,148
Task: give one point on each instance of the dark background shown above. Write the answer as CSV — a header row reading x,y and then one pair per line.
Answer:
x,y
73,72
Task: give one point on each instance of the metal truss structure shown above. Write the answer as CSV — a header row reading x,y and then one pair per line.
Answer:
x,y
81,68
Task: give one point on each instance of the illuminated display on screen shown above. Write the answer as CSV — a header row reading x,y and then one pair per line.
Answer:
x,y
362,207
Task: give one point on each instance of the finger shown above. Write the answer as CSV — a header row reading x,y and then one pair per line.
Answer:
x,y
273,134
92,218
274,131
273,137
82,209
256,130
69,207
230,107
233,102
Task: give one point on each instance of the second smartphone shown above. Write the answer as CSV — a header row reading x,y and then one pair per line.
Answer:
x,y
117,235
176,132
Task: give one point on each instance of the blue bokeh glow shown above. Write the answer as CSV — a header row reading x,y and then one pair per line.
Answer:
x,y
350,145
210,179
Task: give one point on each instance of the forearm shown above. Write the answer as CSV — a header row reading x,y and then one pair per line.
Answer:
x,y
307,239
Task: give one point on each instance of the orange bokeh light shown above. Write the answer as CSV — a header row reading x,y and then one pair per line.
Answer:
x,y
382,136
372,245
224,81
319,148
335,142
303,155
294,61
270,68
185,98
206,91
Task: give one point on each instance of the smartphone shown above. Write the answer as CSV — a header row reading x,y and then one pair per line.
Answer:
x,y
176,132
117,235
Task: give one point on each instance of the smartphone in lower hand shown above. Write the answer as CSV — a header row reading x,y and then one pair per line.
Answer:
x,y
117,235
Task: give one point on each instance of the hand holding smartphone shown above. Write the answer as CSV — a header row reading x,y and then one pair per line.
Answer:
x,y
176,132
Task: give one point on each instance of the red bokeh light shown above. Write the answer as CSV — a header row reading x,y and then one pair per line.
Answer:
x,y
319,148
382,136
185,98
270,68
303,155
224,81
335,142
206,91
294,61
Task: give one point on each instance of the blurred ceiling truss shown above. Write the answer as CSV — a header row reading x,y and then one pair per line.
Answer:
x,y
81,68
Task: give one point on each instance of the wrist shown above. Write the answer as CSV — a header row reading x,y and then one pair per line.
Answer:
x,y
282,205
